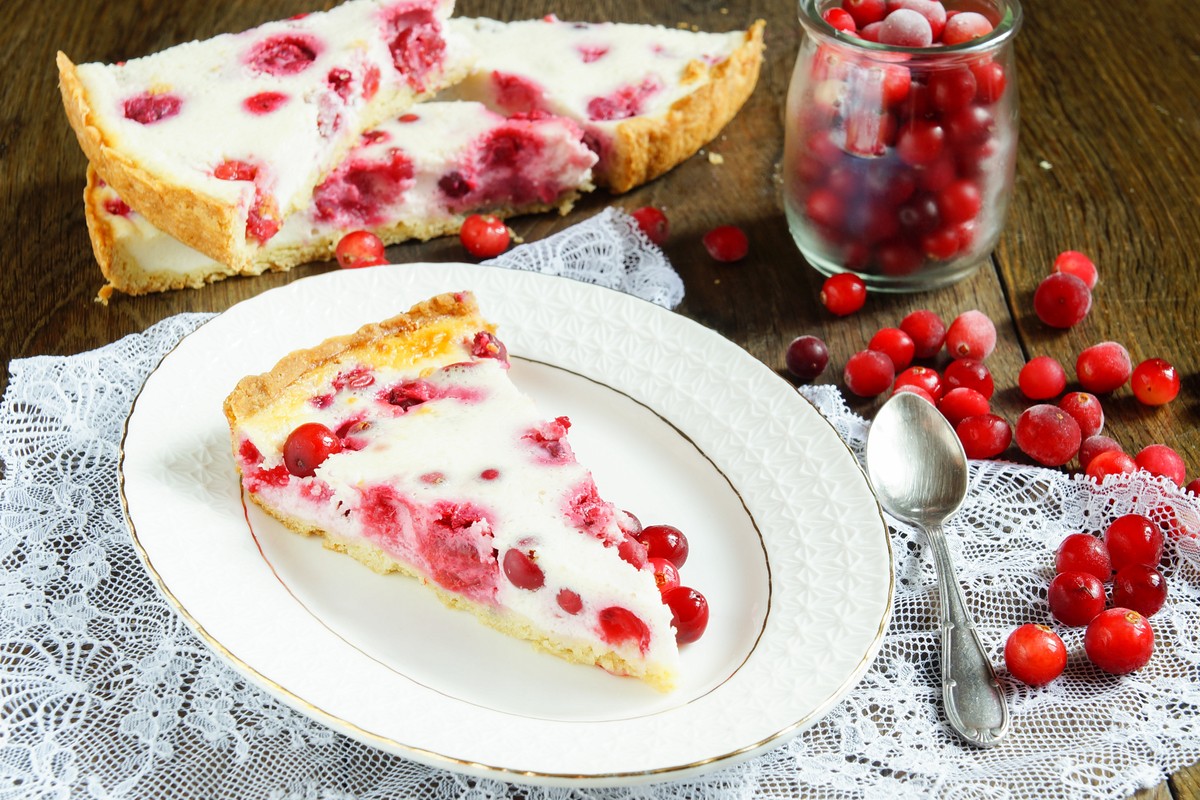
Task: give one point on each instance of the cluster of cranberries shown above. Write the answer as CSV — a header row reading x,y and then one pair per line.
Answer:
x,y
1117,639
666,552
1056,427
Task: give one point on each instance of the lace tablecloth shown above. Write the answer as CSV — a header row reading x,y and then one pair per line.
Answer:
x,y
105,692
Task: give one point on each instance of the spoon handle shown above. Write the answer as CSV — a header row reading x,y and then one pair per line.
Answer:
x,y
973,698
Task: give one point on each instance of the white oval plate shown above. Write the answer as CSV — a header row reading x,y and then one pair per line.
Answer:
x,y
677,424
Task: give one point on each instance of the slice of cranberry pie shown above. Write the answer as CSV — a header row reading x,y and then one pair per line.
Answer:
x,y
406,445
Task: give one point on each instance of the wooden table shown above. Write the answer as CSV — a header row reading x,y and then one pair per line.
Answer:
x,y
1107,165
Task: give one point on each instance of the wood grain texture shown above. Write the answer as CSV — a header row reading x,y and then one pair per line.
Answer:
x,y
1110,128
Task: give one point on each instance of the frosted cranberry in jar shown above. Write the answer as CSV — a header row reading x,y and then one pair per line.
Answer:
x,y
899,159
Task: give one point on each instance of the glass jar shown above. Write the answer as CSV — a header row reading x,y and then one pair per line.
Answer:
x,y
898,161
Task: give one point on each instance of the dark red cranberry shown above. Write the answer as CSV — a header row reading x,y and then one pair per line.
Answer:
x,y
287,54
522,570
149,108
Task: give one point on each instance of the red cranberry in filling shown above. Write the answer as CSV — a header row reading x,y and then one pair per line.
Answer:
x,y
593,52
235,171
486,345
264,102
117,207
548,439
454,185
358,192
287,54
490,474
307,447
149,108
458,548
569,601
359,377
339,79
370,82
416,44
619,625
522,571
632,551
515,94
407,395
374,137
249,453
628,101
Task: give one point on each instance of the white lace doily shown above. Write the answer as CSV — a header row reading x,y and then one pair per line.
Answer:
x,y
104,692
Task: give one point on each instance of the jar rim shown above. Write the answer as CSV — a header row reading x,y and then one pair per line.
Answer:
x,y
1010,23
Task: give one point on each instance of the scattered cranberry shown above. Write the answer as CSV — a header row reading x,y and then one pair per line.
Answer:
x,y
522,570
664,541
927,331
1083,552
689,613
1086,410
807,357
484,235
1119,641
1095,445
1035,655
958,404
1048,435
1193,487
1158,459
1109,462
360,249
1062,300
1134,539
654,224
923,378
307,447
868,373
727,243
984,436
666,574
843,293
1073,262
1154,382
1075,598
895,344
971,335
1042,378
1140,588
969,373
1103,367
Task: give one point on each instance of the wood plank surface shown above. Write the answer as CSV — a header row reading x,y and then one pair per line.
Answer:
x,y
1110,131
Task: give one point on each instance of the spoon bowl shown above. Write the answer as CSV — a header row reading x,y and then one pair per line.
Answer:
x,y
919,470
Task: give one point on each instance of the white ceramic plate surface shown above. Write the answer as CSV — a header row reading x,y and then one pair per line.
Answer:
x,y
677,424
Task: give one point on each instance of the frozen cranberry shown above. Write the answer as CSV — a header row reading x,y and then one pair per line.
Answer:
x,y
840,19
1154,382
1134,539
1034,654
868,373
1103,367
522,571
689,613
870,31
865,12
149,108
807,357
895,344
971,335
1140,588
360,249
1062,300
1094,445
969,373
1119,641
958,404
927,330
654,223
964,27
307,447
1158,459
843,293
286,54
924,378
1108,462
1073,262
666,574
1087,411
484,235
1075,598
932,10
264,102
984,435
727,243
1048,435
1083,552
906,28
664,541
1042,378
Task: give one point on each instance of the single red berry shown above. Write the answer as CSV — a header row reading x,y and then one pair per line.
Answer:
x,y
1073,262
990,80
360,249
843,293
972,334
840,19
868,373
664,541
1103,367
727,243
1062,300
958,404
927,331
913,389
689,613
1108,462
1141,588
923,378
895,344
654,223
307,447
1035,655
865,11
1075,598
960,201
484,235
920,141
1042,378
569,601
1083,552
666,574
1094,445
984,436
1119,641
619,625
522,571
969,373
1134,539
1048,435
1154,382
1087,411
1158,459
807,357
964,27
1193,487
951,89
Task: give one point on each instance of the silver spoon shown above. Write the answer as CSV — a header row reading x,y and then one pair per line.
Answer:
x,y
919,471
